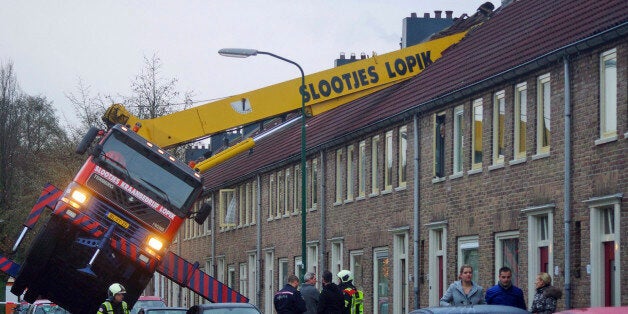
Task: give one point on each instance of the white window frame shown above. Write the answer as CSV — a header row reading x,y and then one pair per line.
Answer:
x,y
297,189
499,121
520,114
379,252
357,268
597,237
252,275
335,256
287,183
225,202
339,176
350,173
362,169
388,159
478,103
499,248
402,169
312,257
314,184
458,158
281,195
469,243
541,108
375,165
243,279
271,197
608,98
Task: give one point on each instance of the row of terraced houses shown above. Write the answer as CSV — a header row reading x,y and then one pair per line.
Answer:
x,y
510,150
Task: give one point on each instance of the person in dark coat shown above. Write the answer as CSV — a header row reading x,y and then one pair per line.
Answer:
x,y
504,292
289,300
331,300
546,295
310,293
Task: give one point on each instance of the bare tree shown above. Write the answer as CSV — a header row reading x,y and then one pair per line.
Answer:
x,y
89,108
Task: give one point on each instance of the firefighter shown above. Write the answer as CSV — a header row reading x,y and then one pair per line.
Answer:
x,y
354,298
115,303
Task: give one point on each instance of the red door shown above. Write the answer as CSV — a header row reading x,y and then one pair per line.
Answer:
x,y
609,259
544,258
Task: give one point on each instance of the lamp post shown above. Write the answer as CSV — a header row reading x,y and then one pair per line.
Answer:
x,y
243,53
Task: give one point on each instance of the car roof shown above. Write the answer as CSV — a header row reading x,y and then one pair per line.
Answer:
x,y
224,305
148,309
149,298
471,309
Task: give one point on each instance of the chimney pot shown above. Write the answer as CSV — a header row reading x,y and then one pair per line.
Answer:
x,y
449,14
413,15
363,56
353,56
437,14
426,15
342,56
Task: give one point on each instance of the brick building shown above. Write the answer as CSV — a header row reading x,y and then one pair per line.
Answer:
x,y
509,150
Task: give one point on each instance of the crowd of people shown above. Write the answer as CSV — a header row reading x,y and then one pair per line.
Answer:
x,y
466,292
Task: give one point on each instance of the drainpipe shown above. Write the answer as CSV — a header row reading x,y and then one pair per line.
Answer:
x,y
321,203
416,235
258,245
567,184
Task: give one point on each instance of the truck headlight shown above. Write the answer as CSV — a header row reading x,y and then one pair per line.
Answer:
x,y
79,196
155,244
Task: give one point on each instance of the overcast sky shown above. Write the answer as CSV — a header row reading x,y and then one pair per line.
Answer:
x,y
54,43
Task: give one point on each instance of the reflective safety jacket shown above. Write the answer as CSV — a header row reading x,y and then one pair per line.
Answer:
x,y
107,308
354,299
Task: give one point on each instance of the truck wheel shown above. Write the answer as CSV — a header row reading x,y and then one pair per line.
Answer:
x,y
38,255
87,140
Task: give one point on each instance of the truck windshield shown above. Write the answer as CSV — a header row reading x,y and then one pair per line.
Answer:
x,y
150,170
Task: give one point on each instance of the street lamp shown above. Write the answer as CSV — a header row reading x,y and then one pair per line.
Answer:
x,y
243,53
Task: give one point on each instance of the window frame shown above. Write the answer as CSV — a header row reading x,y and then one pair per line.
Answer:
x,y
458,141
439,145
476,135
520,114
499,127
362,169
350,173
339,176
375,165
605,90
543,107
402,165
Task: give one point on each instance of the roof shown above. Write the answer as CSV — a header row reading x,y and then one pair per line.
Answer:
x,y
521,33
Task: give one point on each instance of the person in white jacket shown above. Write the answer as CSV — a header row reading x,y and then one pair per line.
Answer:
x,y
464,291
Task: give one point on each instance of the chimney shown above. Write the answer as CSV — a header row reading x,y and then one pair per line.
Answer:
x,y
342,56
449,14
426,15
353,56
362,56
437,14
413,15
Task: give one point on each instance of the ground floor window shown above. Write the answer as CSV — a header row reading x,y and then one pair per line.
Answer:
x,y
468,254
381,281
507,254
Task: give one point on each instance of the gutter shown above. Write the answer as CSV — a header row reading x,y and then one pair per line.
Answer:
x,y
416,214
567,184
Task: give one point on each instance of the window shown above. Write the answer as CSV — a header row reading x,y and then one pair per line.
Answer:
x,y
281,193
248,205
507,254
439,145
403,155
231,276
381,280
297,188
356,268
608,94
335,263
312,258
339,175
298,266
458,139
437,262
253,202
468,255
220,269
540,242
476,138
375,165
499,115
314,183
241,205
289,194
521,120
544,109
251,275
227,208
606,272
389,161
350,172
271,197
362,169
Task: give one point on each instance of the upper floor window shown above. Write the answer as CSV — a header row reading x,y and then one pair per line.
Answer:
x,y
521,120
458,138
350,172
439,145
314,183
339,175
499,115
476,138
608,94
362,169
271,197
544,109
375,165
227,208
403,152
389,161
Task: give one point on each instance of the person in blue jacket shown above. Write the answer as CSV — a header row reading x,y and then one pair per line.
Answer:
x,y
464,291
504,292
289,300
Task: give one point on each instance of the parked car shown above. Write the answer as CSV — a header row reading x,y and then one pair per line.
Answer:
x,y
163,310
598,310
471,309
224,308
45,307
146,301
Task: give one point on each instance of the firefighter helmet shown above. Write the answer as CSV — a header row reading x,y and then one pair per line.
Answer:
x,y
345,275
115,289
